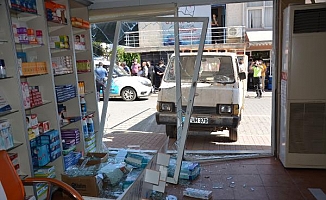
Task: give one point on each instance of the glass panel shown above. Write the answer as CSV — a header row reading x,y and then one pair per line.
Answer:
x,y
255,4
268,17
255,18
217,69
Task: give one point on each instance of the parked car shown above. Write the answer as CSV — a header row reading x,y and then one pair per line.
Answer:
x,y
127,87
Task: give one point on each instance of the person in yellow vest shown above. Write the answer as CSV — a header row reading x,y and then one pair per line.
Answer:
x,y
257,69
263,74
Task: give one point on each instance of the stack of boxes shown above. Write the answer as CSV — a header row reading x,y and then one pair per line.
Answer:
x,y
32,126
31,95
32,68
14,159
6,139
59,42
62,65
43,172
35,96
65,92
83,66
55,12
80,23
70,138
79,43
90,145
23,5
45,148
4,104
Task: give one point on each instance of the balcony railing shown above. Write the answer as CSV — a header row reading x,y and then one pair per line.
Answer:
x,y
160,38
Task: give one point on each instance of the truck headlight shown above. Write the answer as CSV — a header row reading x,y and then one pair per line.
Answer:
x,y
165,106
225,109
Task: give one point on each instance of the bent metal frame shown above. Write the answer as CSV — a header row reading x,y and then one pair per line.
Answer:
x,y
182,128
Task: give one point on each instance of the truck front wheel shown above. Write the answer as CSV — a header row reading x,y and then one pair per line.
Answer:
x,y
171,131
233,134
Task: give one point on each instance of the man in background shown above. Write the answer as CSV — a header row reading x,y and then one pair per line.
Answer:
x,y
125,67
101,77
257,69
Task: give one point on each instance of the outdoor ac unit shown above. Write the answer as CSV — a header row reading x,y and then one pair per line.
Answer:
x,y
303,94
234,32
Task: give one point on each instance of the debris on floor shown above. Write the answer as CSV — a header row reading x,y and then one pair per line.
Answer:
x,y
197,193
189,170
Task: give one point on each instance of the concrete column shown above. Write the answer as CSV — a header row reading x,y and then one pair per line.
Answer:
x,y
279,6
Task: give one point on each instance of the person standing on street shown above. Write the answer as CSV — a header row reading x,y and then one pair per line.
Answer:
x,y
263,75
135,67
257,69
159,71
145,69
125,67
101,78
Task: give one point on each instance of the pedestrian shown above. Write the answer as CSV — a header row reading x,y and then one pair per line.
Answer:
x,y
241,66
140,71
145,69
134,68
257,69
125,67
159,71
101,77
263,75
150,72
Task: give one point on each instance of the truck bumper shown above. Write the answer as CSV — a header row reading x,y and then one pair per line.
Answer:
x,y
214,121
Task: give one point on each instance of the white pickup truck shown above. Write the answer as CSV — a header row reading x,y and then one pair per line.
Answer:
x,y
219,96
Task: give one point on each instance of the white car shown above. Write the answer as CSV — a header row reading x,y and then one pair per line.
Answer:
x,y
128,87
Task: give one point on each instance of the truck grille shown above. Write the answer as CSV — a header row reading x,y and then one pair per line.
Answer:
x,y
202,110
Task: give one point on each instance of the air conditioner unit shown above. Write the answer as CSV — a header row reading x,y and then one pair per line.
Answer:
x,y
234,32
303,96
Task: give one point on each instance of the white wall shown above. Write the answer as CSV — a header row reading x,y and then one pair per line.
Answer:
x,y
150,34
234,15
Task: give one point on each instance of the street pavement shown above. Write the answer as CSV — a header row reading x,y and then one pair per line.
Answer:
x,y
133,123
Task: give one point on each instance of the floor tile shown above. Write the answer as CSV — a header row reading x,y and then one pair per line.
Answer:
x,y
277,180
271,169
283,193
250,193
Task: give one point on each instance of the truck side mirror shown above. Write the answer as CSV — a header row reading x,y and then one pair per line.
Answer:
x,y
242,75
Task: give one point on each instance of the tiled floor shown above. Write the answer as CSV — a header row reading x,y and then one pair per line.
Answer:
x,y
260,178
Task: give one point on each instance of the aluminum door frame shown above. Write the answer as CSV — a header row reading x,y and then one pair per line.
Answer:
x,y
182,131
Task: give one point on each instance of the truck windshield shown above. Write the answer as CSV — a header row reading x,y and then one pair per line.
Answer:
x,y
217,69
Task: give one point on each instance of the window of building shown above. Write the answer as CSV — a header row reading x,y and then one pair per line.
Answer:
x,y
260,14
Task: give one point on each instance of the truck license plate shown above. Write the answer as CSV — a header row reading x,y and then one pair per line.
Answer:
x,y
199,120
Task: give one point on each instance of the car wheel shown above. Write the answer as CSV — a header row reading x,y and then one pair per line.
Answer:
x,y
128,94
233,134
171,131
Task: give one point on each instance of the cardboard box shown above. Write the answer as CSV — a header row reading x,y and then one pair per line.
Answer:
x,y
85,185
100,158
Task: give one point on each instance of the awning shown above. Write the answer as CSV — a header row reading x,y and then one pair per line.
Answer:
x,y
259,38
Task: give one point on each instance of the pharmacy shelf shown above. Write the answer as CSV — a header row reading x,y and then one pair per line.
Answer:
x,y
23,16
63,74
32,75
28,46
44,103
6,78
15,146
2,114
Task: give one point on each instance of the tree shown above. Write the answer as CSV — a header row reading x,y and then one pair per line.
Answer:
x,y
126,57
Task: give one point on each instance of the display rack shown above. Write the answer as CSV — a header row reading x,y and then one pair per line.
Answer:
x,y
46,81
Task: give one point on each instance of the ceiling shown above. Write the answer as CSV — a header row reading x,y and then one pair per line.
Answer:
x,y
120,10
